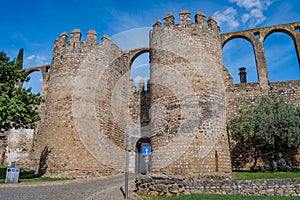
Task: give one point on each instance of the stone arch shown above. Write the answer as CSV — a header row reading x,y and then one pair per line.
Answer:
x,y
134,53
44,70
288,31
257,37
257,43
226,38
280,30
35,81
248,48
285,58
31,70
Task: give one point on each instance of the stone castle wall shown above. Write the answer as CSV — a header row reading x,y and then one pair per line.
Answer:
x,y
240,95
174,186
90,100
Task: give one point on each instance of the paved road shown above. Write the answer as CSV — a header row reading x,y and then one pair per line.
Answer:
x,y
92,189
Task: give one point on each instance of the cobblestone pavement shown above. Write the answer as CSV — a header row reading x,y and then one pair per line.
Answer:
x,y
92,189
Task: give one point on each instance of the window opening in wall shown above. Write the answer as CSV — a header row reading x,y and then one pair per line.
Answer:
x,y
297,29
48,69
216,161
257,35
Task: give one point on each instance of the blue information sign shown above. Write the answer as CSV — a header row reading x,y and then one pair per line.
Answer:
x,y
146,150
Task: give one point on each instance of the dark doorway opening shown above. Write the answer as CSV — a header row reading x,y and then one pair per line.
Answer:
x,y
143,158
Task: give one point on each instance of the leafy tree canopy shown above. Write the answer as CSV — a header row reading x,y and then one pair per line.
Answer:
x,y
18,106
272,128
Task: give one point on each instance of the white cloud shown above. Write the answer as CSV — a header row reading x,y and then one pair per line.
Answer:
x,y
249,4
36,60
254,11
254,18
228,17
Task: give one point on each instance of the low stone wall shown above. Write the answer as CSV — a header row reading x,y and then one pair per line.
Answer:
x,y
173,186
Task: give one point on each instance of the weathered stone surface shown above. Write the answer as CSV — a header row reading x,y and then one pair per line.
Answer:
x,y
19,144
272,187
90,100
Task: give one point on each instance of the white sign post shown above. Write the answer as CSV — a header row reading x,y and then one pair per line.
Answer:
x,y
127,161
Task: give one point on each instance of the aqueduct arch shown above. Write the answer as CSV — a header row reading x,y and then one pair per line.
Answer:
x,y
45,71
257,37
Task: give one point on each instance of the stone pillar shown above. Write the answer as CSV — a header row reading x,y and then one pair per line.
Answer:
x,y
261,64
45,75
297,44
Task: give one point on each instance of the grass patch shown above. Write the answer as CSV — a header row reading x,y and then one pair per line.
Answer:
x,y
27,176
249,175
221,197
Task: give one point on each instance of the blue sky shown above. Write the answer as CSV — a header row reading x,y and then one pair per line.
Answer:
x,y
34,25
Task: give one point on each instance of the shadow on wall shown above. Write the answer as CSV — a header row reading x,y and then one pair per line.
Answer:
x,y
43,161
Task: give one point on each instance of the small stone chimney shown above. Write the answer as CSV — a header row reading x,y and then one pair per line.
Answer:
x,y
243,75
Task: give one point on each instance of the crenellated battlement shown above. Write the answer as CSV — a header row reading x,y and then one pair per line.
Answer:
x,y
185,17
75,36
75,39
185,21
169,20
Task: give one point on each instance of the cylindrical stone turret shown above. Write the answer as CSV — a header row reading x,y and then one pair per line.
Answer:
x,y
67,142
188,111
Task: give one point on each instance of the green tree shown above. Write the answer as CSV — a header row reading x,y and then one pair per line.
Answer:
x,y
272,129
18,106
19,61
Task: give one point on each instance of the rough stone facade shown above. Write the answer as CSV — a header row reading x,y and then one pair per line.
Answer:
x,y
90,101
19,144
188,90
239,95
174,186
